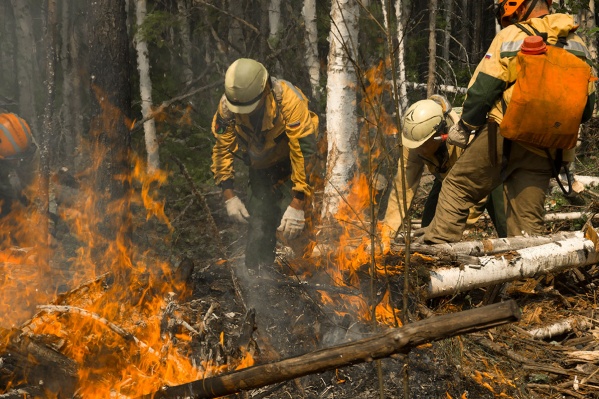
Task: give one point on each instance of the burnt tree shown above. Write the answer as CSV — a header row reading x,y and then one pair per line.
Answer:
x,y
109,77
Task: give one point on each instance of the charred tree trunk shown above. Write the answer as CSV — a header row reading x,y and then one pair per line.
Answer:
x,y
26,63
110,109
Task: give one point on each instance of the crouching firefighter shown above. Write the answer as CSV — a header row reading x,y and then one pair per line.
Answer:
x,y
266,122
526,101
424,133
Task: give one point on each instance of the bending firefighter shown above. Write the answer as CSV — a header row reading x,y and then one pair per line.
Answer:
x,y
522,152
265,122
19,161
424,131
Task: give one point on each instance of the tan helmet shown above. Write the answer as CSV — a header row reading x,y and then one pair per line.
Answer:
x,y
245,81
422,120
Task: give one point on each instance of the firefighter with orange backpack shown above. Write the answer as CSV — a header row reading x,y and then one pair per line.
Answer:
x,y
524,166
19,161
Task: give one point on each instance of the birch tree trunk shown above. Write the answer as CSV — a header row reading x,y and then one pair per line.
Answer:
x,y
145,88
342,124
26,62
432,47
183,8
529,262
400,15
311,40
274,23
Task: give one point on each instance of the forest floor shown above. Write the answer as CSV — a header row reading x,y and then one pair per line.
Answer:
x,y
292,317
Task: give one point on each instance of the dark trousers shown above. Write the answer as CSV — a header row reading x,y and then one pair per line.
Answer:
x,y
269,196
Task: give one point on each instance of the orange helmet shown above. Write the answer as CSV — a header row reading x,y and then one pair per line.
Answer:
x,y
505,10
15,136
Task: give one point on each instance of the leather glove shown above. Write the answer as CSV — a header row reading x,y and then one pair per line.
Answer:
x,y
458,135
292,222
236,210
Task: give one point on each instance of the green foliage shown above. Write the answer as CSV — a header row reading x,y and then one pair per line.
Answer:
x,y
156,25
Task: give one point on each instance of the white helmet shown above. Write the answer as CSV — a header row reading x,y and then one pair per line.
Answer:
x,y
422,120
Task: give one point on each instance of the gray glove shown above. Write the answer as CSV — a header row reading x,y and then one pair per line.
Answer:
x,y
458,135
292,222
236,210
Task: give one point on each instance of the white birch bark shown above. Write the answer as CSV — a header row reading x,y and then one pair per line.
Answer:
x,y
401,65
498,245
311,40
274,23
342,124
562,327
145,87
529,262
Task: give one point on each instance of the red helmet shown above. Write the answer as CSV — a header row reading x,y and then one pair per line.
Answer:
x,y
505,10
15,136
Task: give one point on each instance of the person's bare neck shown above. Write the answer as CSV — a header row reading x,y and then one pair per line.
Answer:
x,y
538,12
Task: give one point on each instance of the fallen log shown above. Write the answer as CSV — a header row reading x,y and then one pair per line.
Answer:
x,y
394,341
561,327
492,245
554,217
528,262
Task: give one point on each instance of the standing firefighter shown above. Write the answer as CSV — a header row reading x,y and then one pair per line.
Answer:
x,y
266,122
424,131
19,161
523,151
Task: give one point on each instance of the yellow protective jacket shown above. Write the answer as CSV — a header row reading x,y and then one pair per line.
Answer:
x,y
287,131
494,75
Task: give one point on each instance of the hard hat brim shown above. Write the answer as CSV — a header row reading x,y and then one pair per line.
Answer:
x,y
242,109
415,143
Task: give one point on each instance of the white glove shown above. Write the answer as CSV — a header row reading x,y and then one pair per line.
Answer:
x,y
458,136
292,222
236,210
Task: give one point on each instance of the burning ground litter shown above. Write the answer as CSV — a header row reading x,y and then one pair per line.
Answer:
x,y
179,312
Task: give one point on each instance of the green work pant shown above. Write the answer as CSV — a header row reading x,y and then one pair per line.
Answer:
x,y
269,196
525,177
494,206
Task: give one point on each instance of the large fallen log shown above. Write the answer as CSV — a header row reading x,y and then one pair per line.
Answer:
x,y
394,341
528,262
492,245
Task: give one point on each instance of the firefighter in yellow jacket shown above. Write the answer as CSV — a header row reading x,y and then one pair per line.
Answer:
x,y
424,131
490,159
266,122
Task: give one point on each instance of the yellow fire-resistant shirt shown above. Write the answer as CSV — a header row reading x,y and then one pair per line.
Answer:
x,y
288,130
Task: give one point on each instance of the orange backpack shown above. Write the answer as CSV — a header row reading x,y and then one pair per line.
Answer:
x,y
549,97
